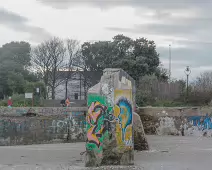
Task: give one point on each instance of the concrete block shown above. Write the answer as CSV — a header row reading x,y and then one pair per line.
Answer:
x,y
110,120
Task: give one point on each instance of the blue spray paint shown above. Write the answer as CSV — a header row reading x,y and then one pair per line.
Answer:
x,y
203,122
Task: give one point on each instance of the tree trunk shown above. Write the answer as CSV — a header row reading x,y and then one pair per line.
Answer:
x,y
45,84
53,93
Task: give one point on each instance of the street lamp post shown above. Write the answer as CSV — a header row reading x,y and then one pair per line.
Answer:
x,y
170,61
38,93
68,127
187,72
66,88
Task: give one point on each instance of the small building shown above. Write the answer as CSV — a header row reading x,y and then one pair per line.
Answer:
x,y
74,84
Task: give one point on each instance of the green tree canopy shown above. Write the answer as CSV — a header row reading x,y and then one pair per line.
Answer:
x,y
138,57
14,73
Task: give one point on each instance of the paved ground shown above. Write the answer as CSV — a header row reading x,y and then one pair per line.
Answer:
x,y
167,153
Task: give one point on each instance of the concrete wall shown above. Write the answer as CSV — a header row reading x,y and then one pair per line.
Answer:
x,y
48,125
188,121
174,111
21,111
20,126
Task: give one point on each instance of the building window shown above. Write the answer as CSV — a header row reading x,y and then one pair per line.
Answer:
x,y
76,96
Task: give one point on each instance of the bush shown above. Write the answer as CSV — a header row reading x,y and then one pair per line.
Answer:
x,y
20,101
200,98
167,103
3,103
144,100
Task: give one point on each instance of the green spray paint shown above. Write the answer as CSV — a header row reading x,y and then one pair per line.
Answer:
x,y
97,125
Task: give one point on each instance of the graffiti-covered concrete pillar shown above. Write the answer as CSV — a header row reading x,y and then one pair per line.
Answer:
x,y
110,120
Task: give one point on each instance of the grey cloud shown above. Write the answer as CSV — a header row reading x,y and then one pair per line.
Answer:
x,y
19,23
172,27
8,17
196,29
156,4
162,12
168,25
195,56
157,29
191,28
37,34
198,44
197,52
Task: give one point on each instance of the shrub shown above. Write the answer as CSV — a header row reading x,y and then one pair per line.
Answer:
x,y
20,101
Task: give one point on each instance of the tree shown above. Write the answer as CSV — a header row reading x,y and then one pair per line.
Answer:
x,y
72,53
48,60
144,91
162,74
200,91
14,72
41,61
203,82
56,50
98,55
19,52
137,57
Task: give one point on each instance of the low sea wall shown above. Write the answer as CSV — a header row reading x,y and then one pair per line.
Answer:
x,y
25,125
189,121
20,126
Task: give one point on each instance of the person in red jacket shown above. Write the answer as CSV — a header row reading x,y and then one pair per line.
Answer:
x,y
67,102
9,102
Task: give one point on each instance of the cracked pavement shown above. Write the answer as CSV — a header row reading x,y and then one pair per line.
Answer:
x,y
166,153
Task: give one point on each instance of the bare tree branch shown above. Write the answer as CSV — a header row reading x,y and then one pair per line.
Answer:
x,y
48,59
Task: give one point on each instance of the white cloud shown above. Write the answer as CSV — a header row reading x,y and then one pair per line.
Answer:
x,y
93,22
84,23
165,62
10,35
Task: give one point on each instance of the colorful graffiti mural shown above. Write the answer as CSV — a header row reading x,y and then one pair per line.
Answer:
x,y
101,115
124,115
95,112
109,120
202,122
96,129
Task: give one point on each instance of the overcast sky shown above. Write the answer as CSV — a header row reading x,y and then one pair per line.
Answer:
x,y
185,24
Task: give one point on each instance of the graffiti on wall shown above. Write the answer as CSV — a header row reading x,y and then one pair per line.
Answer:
x,y
70,125
43,128
12,126
96,127
198,125
123,113
101,115
202,122
96,112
